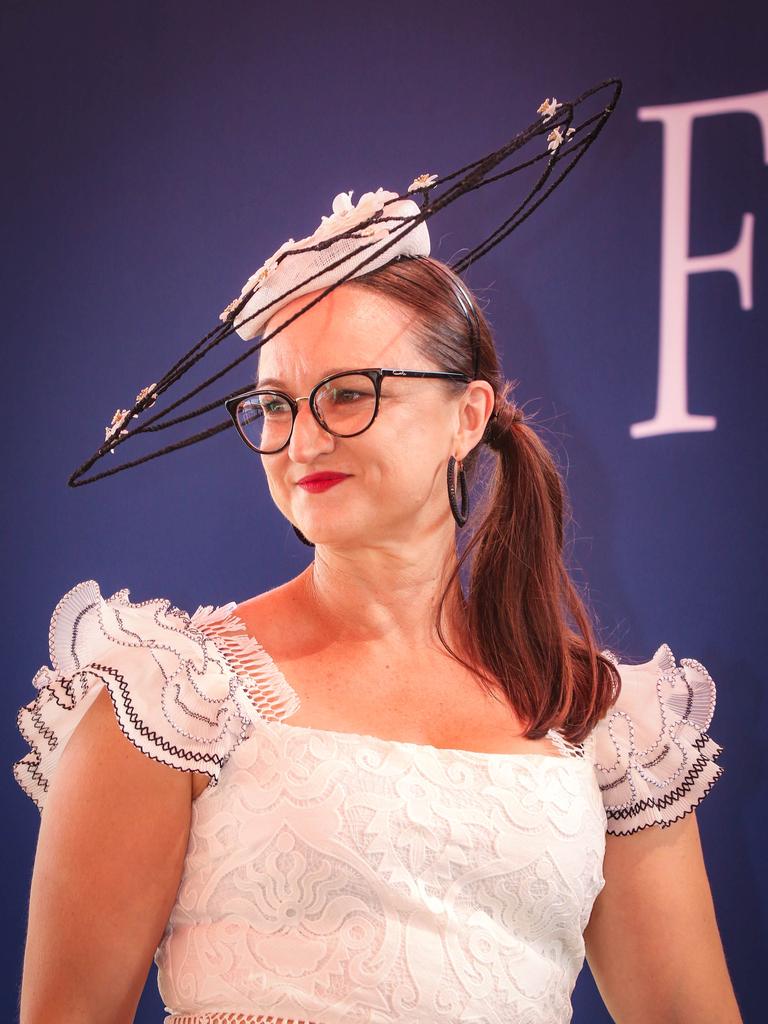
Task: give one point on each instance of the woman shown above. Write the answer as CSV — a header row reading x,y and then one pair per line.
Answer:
x,y
364,796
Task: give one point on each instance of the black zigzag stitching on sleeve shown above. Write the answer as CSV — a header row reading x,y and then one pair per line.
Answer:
x,y
675,795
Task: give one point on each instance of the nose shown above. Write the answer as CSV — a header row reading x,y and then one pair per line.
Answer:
x,y
308,438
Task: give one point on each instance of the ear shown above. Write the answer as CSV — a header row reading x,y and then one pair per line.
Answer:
x,y
474,411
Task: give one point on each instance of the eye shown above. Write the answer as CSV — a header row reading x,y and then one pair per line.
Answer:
x,y
274,406
345,395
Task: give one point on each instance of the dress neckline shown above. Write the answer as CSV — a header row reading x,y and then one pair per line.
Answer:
x,y
455,752
253,662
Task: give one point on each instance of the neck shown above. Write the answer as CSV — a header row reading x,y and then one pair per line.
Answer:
x,y
389,596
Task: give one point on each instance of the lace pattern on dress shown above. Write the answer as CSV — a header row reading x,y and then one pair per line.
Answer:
x,y
654,759
338,878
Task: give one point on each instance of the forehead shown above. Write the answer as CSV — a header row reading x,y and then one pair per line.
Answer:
x,y
351,327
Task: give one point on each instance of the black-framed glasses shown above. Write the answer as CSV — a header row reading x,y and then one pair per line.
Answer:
x,y
345,404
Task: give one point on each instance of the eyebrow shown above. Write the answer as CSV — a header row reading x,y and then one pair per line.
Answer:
x,y
276,382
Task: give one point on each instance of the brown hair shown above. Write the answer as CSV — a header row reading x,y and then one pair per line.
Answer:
x,y
526,622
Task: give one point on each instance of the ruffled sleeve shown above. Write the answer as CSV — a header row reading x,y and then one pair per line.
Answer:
x,y
653,758
185,688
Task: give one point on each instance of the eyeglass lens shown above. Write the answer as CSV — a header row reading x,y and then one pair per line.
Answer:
x,y
346,405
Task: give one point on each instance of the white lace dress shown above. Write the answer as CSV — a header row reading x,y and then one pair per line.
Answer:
x,y
335,878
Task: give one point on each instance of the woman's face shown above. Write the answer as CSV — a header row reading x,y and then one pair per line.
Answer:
x,y
396,487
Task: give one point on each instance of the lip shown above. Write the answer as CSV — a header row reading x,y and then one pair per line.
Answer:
x,y
317,477
315,483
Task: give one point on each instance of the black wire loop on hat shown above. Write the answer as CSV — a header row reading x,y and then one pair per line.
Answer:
x,y
567,143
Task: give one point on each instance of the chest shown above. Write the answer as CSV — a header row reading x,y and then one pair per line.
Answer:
x,y
424,699
367,689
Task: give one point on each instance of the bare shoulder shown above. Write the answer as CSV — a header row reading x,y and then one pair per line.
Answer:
x,y
265,616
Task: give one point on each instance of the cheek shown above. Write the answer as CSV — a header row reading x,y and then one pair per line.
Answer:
x,y
420,422
409,440
277,476
419,433
410,472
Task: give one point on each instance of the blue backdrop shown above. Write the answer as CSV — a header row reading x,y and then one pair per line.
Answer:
x,y
157,153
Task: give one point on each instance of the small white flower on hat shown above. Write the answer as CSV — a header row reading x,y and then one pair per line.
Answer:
x,y
143,394
548,109
346,215
555,138
256,279
423,181
228,310
119,418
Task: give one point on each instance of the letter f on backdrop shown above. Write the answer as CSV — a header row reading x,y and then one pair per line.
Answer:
x,y
672,414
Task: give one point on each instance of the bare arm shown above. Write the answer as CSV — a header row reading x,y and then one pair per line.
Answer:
x,y
652,941
110,852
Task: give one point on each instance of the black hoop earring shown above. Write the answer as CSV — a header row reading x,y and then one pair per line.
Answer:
x,y
460,515
302,538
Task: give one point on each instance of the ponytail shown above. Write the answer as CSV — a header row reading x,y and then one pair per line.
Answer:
x,y
527,628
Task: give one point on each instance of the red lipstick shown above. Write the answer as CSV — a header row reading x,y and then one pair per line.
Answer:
x,y
317,482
